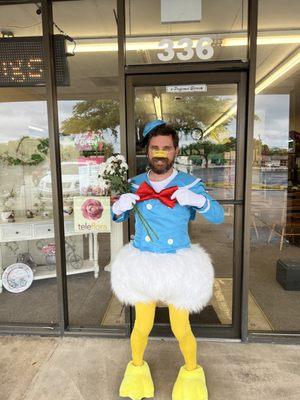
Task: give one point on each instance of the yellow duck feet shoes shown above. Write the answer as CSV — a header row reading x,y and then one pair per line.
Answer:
x,y
190,385
137,382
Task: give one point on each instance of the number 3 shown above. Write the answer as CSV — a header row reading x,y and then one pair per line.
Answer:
x,y
188,49
169,50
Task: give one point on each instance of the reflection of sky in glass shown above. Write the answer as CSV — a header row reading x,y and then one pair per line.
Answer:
x,y
30,118
273,112
23,118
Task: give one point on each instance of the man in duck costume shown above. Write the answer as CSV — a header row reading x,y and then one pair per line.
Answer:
x,y
169,268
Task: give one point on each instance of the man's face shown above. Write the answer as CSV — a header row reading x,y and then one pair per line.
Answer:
x,y
160,165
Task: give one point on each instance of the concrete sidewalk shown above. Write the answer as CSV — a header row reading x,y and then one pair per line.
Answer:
x,y
43,368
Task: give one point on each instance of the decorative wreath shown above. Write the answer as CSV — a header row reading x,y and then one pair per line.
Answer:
x,y
29,151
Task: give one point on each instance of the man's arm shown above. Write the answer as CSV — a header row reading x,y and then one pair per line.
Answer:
x,y
211,210
197,199
120,210
119,217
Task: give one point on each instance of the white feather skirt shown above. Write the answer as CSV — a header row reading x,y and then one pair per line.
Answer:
x,y
184,279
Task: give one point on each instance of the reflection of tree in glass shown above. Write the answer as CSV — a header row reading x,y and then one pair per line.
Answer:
x,y
187,114
93,115
207,150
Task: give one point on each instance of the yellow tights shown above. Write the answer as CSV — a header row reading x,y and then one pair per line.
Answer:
x,y
180,324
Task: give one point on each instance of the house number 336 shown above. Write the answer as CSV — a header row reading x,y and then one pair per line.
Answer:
x,y
203,49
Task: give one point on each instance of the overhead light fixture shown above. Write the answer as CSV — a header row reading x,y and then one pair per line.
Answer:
x,y
102,45
261,40
35,128
142,44
229,113
278,72
157,105
282,69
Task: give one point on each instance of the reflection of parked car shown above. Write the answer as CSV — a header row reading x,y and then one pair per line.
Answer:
x,y
69,178
184,164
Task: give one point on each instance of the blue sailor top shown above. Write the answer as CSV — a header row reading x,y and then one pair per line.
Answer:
x,y
170,224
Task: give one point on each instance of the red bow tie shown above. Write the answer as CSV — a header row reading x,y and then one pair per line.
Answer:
x,y
146,192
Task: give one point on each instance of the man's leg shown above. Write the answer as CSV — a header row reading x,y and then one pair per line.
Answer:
x,y
181,328
137,382
190,383
144,320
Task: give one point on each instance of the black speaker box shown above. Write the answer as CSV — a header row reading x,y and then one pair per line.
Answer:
x,y
288,273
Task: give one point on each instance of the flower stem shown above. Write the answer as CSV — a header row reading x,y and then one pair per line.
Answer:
x,y
145,222
142,221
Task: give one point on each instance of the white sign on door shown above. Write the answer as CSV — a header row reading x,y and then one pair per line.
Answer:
x,y
186,88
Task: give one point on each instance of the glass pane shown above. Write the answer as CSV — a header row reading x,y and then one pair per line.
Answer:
x,y
207,151
219,310
167,31
89,134
275,211
29,285
205,117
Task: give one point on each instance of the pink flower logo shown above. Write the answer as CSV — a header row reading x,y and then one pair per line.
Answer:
x,y
92,209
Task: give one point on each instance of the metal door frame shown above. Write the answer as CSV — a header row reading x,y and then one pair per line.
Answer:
x,y
232,331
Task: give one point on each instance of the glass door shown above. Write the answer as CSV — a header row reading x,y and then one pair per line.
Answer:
x,y
208,111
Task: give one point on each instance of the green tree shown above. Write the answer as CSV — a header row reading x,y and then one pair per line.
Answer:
x,y
207,149
93,115
187,115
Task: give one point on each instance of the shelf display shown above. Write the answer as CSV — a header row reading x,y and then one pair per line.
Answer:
x,y
38,230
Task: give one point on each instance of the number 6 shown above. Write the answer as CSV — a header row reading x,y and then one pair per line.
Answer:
x,y
204,49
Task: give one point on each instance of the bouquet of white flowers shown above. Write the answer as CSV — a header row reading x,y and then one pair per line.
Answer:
x,y
113,181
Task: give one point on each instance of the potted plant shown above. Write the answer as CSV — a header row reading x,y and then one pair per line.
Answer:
x,y
49,251
6,205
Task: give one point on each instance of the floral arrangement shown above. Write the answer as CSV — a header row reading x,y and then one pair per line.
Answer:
x,y
92,209
49,249
113,175
7,202
113,181
91,143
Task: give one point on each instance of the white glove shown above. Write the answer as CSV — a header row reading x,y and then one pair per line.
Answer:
x,y
124,203
186,197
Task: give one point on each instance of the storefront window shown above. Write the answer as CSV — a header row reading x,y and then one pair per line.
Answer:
x,y
89,134
172,31
275,209
28,283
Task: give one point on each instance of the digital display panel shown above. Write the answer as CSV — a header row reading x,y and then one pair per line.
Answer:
x,y
22,61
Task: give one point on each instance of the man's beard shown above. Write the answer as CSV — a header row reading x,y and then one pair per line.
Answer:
x,y
160,168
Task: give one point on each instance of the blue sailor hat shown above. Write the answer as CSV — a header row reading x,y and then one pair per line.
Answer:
x,y
152,125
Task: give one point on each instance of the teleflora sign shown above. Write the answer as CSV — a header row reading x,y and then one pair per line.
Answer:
x,y
22,61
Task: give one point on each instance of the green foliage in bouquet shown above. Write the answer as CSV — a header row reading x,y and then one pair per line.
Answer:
x,y
113,179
